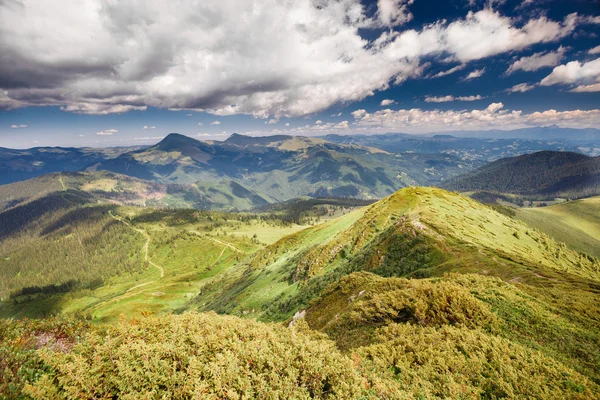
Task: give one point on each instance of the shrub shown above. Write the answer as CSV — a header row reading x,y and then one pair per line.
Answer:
x,y
199,356
459,363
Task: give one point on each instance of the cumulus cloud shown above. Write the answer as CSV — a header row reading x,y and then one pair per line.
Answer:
x,y
359,113
595,50
336,115
107,132
216,123
584,74
494,116
101,57
521,88
538,61
387,102
149,127
475,74
394,12
18,126
318,122
444,99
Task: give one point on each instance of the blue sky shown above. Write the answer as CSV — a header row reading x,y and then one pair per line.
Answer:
x,y
103,73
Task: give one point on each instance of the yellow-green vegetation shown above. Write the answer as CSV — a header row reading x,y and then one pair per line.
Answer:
x,y
352,311
198,356
460,363
576,223
223,357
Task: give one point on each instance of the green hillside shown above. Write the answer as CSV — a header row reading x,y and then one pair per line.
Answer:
x,y
416,232
543,175
576,223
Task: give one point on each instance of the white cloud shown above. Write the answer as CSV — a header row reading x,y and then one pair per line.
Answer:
x,y
594,87
494,116
595,50
387,102
318,122
272,121
149,127
101,57
18,126
287,124
521,88
336,115
394,12
574,72
444,99
475,74
341,125
200,124
538,61
216,123
188,115
359,113
450,71
107,132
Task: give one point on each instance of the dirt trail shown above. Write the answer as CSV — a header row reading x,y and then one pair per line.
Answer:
x,y
146,257
62,182
218,241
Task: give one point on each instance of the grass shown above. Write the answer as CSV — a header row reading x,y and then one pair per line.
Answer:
x,y
576,223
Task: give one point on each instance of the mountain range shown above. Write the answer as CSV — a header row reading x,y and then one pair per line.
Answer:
x,y
283,167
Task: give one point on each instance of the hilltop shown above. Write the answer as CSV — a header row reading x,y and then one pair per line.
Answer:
x,y
545,174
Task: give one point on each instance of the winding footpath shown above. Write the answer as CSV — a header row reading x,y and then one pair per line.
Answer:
x,y
146,257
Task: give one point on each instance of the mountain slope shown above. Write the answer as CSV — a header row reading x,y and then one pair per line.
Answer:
x,y
123,189
576,223
423,233
284,167
416,232
546,174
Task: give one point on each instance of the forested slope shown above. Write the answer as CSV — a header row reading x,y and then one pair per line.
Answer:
x,y
546,174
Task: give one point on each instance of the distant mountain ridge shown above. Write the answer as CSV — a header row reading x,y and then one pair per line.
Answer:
x,y
283,167
483,146
18,165
545,173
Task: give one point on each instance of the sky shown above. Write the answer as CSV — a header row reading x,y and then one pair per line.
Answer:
x,y
123,72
